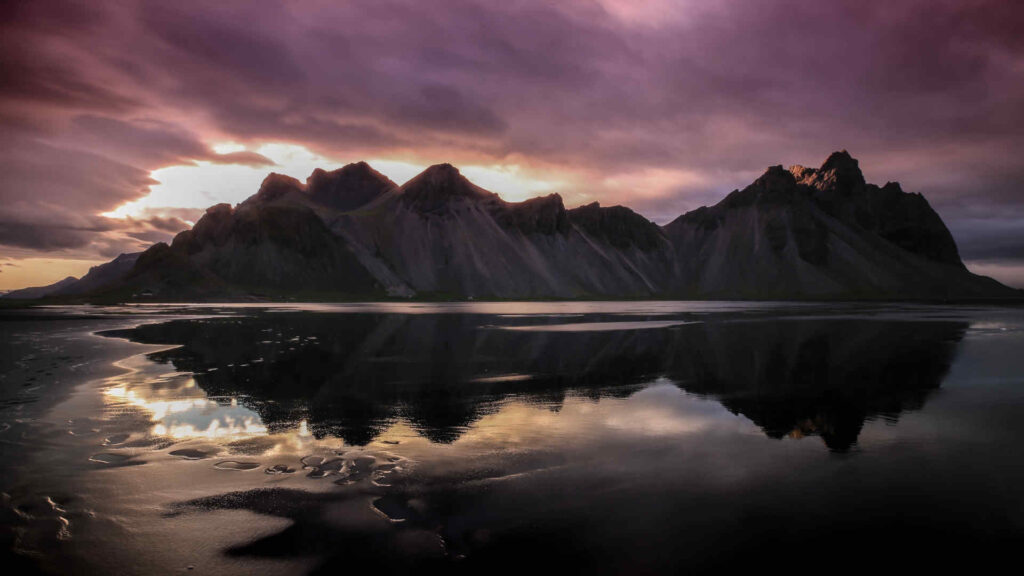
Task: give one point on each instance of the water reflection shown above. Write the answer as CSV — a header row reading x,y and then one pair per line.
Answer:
x,y
177,407
354,376
635,438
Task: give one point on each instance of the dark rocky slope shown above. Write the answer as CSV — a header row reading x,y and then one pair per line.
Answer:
x,y
102,276
40,291
259,247
440,234
821,233
802,233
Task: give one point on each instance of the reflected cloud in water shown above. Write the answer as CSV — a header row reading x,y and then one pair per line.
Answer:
x,y
177,407
354,376
602,437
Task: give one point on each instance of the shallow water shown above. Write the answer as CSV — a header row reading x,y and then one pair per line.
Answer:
x,y
632,437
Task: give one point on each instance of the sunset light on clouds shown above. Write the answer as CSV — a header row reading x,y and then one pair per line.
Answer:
x,y
203,183
521,286
122,122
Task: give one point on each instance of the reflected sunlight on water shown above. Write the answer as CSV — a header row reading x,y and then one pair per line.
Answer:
x,y
176,407
401,433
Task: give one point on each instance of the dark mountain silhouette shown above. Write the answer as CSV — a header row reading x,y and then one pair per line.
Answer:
x,y
101,276
441,234
40,291
348,188
802,233
262,245
821,233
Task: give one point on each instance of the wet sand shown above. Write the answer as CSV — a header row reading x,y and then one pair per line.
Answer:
x,y
299,444
43,364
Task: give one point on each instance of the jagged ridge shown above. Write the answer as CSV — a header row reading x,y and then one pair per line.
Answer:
x,y
792,234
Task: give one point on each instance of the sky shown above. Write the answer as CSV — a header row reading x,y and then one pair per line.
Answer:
x,y
121,121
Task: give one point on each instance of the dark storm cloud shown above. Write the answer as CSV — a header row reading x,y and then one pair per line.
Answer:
x,y
39,176
928,92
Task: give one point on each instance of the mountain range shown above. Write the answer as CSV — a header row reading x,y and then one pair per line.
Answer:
x,y
801,233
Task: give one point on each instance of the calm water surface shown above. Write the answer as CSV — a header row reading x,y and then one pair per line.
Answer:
x,y
631,438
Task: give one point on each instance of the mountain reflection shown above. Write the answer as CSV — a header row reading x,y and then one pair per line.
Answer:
x,y
353,375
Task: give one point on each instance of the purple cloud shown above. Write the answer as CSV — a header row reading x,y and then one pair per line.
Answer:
x,y
928,93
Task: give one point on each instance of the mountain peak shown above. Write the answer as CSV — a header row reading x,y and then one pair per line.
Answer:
x,y
219,210
349,187
442,174
839,174
776,185
845,168
355,169
438,184
438,175
801,233
841,156
775,177
617,225
543,214
276,186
